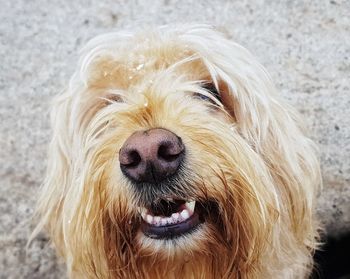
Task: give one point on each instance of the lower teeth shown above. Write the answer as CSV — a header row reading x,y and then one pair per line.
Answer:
x,y
177,217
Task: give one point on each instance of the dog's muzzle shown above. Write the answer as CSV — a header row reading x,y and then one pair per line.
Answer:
x,y
148,158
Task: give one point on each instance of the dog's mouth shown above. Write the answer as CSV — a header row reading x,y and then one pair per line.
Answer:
x,y
170,218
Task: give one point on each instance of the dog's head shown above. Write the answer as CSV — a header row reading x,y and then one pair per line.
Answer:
x,y
171,153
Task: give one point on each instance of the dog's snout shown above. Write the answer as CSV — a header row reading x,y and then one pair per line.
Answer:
x,y
151,156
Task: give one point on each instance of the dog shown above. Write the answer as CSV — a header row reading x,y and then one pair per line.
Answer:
x,y
172,156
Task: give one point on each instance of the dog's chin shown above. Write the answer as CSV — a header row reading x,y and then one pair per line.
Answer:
x,y
179,245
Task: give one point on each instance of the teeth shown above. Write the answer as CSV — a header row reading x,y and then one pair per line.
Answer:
x,y
149,219
176,217
185,214
190,206
156,220
163,221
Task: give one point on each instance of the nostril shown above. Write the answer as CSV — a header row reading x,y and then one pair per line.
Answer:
x,y
163,153
133,159
168,152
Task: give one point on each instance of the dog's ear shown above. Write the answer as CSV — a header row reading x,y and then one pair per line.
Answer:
x,y
71,195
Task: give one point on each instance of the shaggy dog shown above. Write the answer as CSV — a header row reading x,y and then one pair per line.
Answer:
x,y
172,157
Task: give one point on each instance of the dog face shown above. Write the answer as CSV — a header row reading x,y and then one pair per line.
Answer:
x,y
172,156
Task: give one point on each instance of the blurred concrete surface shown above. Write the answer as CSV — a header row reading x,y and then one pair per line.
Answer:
x,y
305,45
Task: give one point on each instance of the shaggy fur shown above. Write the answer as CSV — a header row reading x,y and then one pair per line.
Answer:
x,y
246,154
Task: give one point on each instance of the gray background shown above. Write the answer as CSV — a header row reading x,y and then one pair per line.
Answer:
x,y
305,45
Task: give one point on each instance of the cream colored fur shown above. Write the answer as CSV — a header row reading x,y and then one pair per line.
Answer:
x,y
248,153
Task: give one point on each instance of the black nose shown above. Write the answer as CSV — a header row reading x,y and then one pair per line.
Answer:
x,y
151,156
